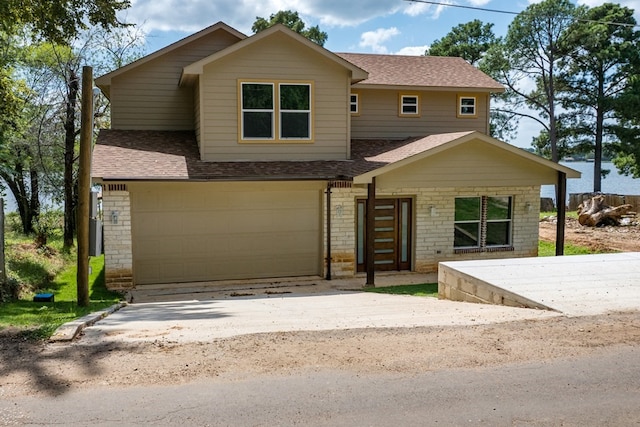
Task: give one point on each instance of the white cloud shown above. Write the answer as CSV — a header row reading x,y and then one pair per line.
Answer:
x,y
374,39
412,50
415,8
178,15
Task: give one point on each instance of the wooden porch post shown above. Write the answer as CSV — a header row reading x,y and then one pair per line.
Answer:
x,y
328,275
370,234
561,197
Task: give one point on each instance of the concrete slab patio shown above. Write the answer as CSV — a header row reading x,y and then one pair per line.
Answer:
x,y
575,285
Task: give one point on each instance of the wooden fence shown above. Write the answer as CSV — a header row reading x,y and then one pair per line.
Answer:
x,y
610,199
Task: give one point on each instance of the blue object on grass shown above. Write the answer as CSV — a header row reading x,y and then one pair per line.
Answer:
x,y
43,297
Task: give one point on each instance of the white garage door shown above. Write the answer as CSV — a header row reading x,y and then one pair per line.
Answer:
x,y
205,231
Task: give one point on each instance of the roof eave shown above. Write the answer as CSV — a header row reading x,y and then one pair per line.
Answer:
x,y
365,85
367,178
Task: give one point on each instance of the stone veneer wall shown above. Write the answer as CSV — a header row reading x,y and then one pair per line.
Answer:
x,y
118,257
433,216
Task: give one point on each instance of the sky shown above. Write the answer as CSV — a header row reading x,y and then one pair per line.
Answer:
x,y
363,26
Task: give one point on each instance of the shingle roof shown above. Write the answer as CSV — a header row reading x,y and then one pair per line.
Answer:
x,y
166,155
421,71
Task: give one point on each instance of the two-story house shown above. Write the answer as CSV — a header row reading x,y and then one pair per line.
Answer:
x,y
235,157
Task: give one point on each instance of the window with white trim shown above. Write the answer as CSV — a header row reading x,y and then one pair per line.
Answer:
x,y
483,222
354,105
276,111
295,110
258,110
467,106
409,105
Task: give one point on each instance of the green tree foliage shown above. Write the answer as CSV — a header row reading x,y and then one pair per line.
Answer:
x,y
293,21
532,51
59,20
627,147
600,55
470,41
18,160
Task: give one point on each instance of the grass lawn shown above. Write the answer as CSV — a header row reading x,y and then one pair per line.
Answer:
x,y
423,290
56,274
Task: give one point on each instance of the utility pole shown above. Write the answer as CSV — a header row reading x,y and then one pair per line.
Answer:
x,y
84,186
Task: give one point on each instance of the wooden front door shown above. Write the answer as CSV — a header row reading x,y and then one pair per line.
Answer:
x,y
392,239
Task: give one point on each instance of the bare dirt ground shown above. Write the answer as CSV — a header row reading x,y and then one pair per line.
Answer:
x,y
602,239
39,368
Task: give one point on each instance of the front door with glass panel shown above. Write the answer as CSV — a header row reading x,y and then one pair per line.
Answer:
x,y
392,239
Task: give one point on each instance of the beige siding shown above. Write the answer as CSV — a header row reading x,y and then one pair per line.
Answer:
x,y
197,114
148,97
471,164
277,58
379,119
186,232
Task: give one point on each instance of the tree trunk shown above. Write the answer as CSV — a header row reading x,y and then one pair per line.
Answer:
x,y
28,204
594,211
597,149
69,155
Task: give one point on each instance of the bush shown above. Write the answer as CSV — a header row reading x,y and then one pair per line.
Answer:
x,y
46,225
12,222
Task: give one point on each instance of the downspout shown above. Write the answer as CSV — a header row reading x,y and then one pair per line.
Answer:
x,y
328,276
561,197
371,229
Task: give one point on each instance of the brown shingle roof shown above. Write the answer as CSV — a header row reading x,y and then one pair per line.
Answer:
x,y
164,155
421,71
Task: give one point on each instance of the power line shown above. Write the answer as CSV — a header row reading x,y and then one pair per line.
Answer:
x,y
484,9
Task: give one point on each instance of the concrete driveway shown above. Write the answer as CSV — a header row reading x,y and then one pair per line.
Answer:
x,y
201,321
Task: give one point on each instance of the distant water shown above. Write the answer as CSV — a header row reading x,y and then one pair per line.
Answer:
x,y
614,183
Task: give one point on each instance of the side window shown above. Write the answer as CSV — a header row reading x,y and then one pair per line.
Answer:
x,y
467,106
467,222
409,106
482,222
354,104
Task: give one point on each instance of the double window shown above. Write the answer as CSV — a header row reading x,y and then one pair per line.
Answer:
x,y
483,222
276,111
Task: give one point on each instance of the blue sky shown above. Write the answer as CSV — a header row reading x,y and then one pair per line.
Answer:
x,y
365,26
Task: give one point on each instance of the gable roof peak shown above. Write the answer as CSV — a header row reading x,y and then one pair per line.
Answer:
x,y
104,81
358,74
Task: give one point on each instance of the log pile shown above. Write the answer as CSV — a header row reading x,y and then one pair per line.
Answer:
x,y
595,212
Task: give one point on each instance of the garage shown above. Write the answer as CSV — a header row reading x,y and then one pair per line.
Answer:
x,y
191,232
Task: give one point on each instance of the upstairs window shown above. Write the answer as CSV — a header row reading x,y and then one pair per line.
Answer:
x,y
295,111
257,111
467,106
276,111
354,105
482,222
409,106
